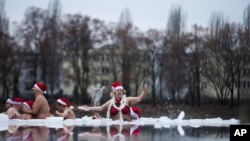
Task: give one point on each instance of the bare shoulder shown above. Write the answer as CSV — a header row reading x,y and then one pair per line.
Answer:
x,y
11,109
69,110
40,97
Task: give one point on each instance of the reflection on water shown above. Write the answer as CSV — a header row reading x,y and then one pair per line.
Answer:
x,y
114,132
15,133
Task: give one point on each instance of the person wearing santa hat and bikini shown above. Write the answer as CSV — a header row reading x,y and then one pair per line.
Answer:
x,y
64,108
13,111
40,108
120,106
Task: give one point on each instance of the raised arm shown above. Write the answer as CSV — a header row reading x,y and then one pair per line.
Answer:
x,y
135,100
96,108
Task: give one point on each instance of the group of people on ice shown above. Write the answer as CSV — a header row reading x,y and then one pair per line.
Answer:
x,y
118,107
17,108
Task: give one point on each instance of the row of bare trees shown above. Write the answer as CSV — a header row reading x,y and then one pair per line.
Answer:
x,y
176,62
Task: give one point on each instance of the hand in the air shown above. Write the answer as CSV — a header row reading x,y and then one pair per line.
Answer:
x,y
84,108
145,88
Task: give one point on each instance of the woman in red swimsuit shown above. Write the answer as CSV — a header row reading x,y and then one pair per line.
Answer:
x,y
120,106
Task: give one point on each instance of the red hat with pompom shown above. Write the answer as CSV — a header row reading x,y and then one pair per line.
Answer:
x,y
65,102
40,87
117,86
16,101
28,104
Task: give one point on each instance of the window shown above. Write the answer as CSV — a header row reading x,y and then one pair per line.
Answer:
x,y
104,83
248,84
246,72
105,70
102,58
244,84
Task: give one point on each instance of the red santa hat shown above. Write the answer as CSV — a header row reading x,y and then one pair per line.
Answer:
x,y
117,86
16,101
40,87
28,104
65,102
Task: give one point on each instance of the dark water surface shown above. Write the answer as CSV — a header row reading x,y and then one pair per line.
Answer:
x,y
115,133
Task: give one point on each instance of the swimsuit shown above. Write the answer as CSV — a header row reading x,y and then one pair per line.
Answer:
x,y
133,111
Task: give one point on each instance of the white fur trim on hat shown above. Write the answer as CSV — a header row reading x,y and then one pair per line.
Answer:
x,y
16,103
37,87
9,101
27,105
118,88
61,102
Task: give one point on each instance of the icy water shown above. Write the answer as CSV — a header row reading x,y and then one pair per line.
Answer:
x,y
115,133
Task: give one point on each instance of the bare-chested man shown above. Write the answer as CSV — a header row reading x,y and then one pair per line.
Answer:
x,y
40,108
64,109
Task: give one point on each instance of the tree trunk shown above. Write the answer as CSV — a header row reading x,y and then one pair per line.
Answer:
x,y
198,86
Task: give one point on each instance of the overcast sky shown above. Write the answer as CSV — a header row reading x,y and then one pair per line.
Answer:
x,y
146,14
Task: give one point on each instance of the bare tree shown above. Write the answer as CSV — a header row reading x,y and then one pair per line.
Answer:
x,y
196,61
153,44
81,34
77,44
175,48
216,71
141,67
30,35
125,40
51,49
6,54
246,19
41,37
114,51
230,54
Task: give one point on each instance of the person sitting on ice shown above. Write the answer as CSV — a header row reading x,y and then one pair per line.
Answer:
x,y
27,105
40,108
13,111
64,109
120,106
